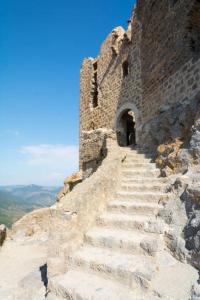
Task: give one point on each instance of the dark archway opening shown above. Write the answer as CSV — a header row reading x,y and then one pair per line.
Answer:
x,y
126,129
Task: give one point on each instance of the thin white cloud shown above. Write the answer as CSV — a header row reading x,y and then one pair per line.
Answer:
x,y
50,154
48,164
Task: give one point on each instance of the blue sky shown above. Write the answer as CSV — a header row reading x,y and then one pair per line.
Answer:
x,y
42,44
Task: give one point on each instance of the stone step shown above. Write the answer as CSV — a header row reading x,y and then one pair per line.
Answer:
x,y
132,222
133,270
133,207
141,172
137,160
144,165
81,285
139,187
146,168
142,196
133,153
144,180
52,296
125,241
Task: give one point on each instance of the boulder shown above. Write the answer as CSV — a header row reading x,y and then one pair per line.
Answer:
x,y
171,159
195,140
2,234
69,183
174,137
191,196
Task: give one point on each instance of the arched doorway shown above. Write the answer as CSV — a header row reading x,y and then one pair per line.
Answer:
x,y
126,129
127,124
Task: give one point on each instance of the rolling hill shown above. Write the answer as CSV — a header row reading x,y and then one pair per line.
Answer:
x,y
16,201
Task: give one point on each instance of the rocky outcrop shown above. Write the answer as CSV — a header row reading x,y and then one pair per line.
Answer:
x,y
69,183
174,140
194,146
174,215
182,214
2,234
33,227
191,197
174,136
169,158
171,122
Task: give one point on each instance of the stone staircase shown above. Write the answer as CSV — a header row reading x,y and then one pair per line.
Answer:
x,y
118,258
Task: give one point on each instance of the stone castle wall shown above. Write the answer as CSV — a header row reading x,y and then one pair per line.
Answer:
x,y
169,52
148,68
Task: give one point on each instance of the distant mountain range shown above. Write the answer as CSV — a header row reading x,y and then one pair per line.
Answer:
x,y
17,200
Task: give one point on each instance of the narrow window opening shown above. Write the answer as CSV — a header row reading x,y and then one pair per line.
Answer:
x,y
194,29
125,68
95,66
195,42
95,86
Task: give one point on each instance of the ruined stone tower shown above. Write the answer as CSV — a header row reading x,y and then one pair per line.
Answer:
x,y
140,75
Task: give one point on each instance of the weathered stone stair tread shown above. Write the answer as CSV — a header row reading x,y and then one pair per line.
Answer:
x,y
141,170
124,217
120,239
133,154
137,165
138,160
51,296
119,234
112,258
145,188
139,193
79,285
134,174
126,268
133,159
131,206
149,185
142,163
143,196
140,179
129,222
